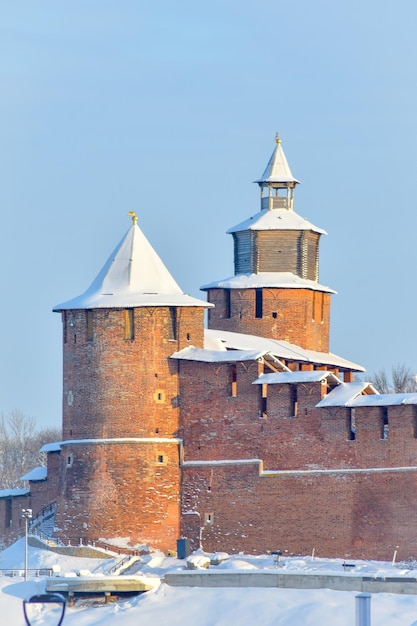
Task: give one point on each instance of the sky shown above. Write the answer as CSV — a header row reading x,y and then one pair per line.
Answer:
x,y
170,110
186,606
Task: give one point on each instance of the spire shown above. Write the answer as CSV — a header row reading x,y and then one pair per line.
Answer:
x,y
277,170
133,276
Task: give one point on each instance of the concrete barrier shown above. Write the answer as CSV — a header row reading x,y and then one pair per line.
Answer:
x,y
213,578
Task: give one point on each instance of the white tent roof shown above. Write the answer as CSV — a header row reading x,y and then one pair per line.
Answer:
x,y
280,378
223,356
278,219
280,349
277,170
283,280
133,276
346,393
38,473
385,399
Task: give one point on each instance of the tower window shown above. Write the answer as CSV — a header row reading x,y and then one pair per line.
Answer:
x,y
259,303
233,377
227,309
64,325
384,424
263,411
129,324
294,401
352,430
89,323
172,323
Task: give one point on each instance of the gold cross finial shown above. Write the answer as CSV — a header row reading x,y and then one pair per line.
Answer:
x,y
132,214
277,139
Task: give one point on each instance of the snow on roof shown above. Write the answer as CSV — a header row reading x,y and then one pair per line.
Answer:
x,y
282,280
278,219
277,170
69,442
345,393
385,399
14,493
51,447
224,462
220,356
38,473
133,276
296,377
280,349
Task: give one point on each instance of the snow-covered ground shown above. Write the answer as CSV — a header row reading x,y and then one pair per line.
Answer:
x,y
182,606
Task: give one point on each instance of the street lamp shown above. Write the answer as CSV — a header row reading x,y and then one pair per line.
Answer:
x,y
45,605
27,515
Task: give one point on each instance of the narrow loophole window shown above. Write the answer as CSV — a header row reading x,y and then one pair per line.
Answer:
x,y
259,303
227,309
90,328
129,324
294,401
172,323
233,380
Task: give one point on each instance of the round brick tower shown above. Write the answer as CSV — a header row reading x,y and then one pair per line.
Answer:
x,y
120,465
275,290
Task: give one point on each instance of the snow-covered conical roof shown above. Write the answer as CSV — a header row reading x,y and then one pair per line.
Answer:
x,y
277,170
279,219
133,276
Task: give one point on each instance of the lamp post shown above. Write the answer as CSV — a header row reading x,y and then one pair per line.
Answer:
x,y
44,607
27,515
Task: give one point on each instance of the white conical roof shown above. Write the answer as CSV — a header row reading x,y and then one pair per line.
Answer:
x,y
133,276
278,219
277,170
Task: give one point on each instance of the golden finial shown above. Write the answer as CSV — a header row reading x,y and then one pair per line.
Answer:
x,y
277,139
132,214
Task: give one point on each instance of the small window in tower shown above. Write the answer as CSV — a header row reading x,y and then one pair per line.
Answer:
x,y
64,325
294,401
89,322
161,459
352,430
259,303
384,424
172,323
9,513
227,307
208,518
233,380
129,324
263,410
70,460
159,396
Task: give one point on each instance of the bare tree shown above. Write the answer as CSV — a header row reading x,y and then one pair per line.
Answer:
x,y
20,444
401,380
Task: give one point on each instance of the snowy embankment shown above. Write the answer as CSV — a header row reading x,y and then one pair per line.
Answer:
x,y
182,606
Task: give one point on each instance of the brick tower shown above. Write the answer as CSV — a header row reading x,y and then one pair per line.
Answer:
x,y
275,290
120,460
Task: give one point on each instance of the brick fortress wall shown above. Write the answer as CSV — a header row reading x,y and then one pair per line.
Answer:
x,y
358,509
299,316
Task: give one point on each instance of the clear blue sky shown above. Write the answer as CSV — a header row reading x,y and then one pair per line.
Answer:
x,y
170,109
